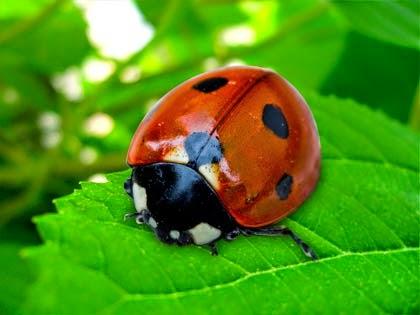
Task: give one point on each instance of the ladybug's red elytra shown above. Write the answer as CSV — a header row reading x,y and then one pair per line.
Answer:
x,y
225,153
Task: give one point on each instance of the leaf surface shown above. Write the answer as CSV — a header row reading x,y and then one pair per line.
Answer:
x,y
15,274
45,48
361,75
393,21
361,220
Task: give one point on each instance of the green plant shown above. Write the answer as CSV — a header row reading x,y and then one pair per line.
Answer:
x,y
362,219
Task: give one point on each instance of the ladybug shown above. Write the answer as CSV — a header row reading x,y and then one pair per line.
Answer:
x,y
226,153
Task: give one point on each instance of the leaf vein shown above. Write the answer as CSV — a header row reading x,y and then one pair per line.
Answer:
x,y
375,215
267,271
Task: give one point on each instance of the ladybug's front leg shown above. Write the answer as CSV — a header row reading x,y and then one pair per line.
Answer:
x,y
213,249
230,236
138,215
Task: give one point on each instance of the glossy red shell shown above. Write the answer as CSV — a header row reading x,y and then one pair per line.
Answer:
x,y
254,157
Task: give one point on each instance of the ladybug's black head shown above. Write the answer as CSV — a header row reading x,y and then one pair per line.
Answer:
x,y
178,199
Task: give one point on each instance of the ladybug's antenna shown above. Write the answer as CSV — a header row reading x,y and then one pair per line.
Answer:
x,y
130,215
282,230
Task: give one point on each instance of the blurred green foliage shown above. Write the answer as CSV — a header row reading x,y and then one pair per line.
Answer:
x,y
367,51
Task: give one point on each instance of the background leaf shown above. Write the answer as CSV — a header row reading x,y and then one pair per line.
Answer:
x,y
94,262
15,273
393,21
390,89
301,40
23,8
45,47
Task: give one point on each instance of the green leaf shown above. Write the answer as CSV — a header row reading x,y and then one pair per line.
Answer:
x,y
303,45
30,89
392,21
151,11
180,36
361,74
52,45
307,46
361,220
15,274
23,8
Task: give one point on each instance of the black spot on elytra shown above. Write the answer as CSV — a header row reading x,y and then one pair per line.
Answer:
x,y
210,84
202,149
284,186
274,119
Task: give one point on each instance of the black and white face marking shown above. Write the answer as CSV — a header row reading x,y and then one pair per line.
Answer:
x,y
181,206
210,84
284,186
274,119
139,197
204,233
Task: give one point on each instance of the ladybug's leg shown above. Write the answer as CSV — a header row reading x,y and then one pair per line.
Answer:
x,y
183,238
282,230
213,249
130,215
230,236
138,215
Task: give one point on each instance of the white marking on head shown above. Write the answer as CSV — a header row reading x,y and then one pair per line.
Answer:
x,y
211,174
174,234
152,222
204,233
177,155
140,197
